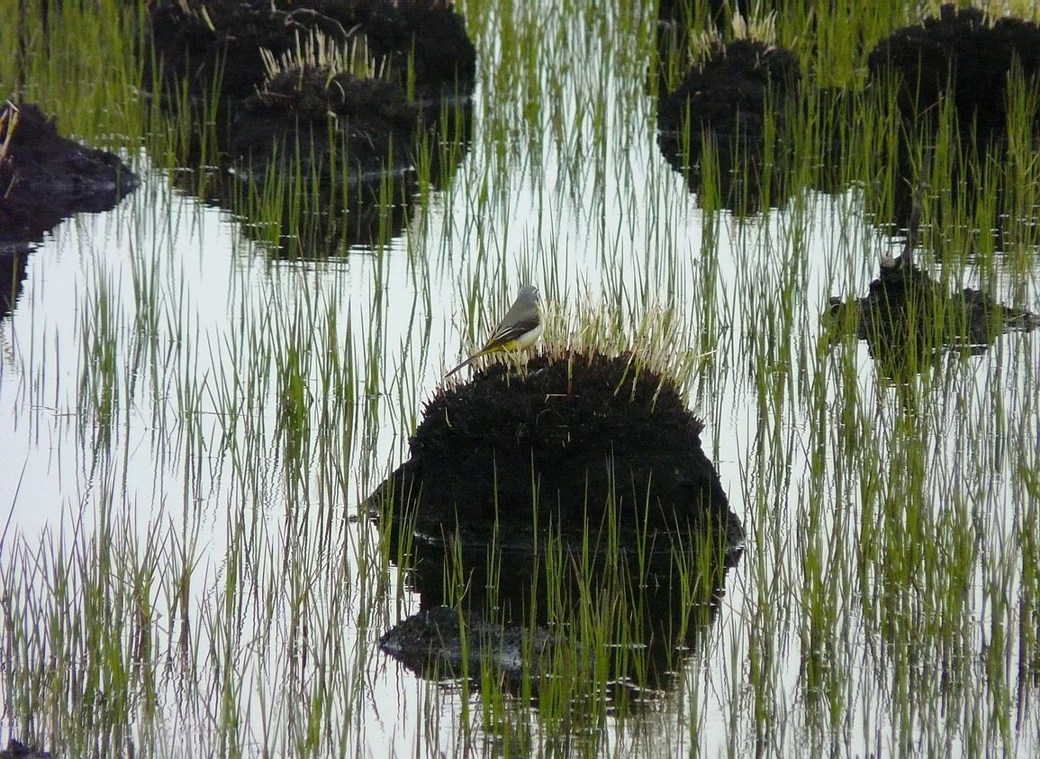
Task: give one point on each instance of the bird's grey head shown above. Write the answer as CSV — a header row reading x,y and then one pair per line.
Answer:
x,y
528,292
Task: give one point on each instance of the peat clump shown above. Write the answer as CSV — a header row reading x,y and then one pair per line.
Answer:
x,y
908,320
515,610
727,103
219,42
965,62
962,55
440,642
580,442
342,146
319,120
306,101
45,178
18,750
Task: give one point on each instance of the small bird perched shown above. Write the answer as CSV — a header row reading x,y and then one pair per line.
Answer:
x,y
519,328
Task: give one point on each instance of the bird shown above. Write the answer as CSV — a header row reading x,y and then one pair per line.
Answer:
x,y
519,328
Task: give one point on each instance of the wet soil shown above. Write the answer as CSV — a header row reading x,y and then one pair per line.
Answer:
x,y
602,441
45,178
725,105
908,320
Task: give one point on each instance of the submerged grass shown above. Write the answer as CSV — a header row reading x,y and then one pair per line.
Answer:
x,y
207,584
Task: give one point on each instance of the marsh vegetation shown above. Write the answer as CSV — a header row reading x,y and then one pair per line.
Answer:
x,y
197,403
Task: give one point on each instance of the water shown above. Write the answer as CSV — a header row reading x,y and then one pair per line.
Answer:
x,y
175,474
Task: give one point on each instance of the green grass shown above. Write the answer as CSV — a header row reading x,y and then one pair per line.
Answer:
x,y
200,420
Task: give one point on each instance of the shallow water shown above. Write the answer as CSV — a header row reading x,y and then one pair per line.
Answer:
x,y
173,473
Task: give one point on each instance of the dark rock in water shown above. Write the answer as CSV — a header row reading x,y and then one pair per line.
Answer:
x,y
45,178
967,52
195,40
907,319
599,440
441,641
728,102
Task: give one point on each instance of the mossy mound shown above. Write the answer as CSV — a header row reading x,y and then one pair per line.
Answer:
x,y
596,441
728,101
959,54
907,319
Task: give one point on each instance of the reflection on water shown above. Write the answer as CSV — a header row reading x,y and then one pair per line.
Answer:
x,y
645,611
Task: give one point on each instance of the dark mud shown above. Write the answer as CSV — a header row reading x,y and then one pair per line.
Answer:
x,y
45,178
726,105
356,145
604,443
909,321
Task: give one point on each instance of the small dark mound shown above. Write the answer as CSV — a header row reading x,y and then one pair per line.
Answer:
x,y
320,118
907,319
45,178
963,50
597,437
426,36
728,100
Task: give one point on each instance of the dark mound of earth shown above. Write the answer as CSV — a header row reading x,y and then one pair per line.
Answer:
x,y
728,101
519,607
320,119
908,320
197,39
45,178
964,55
578,443
441,641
